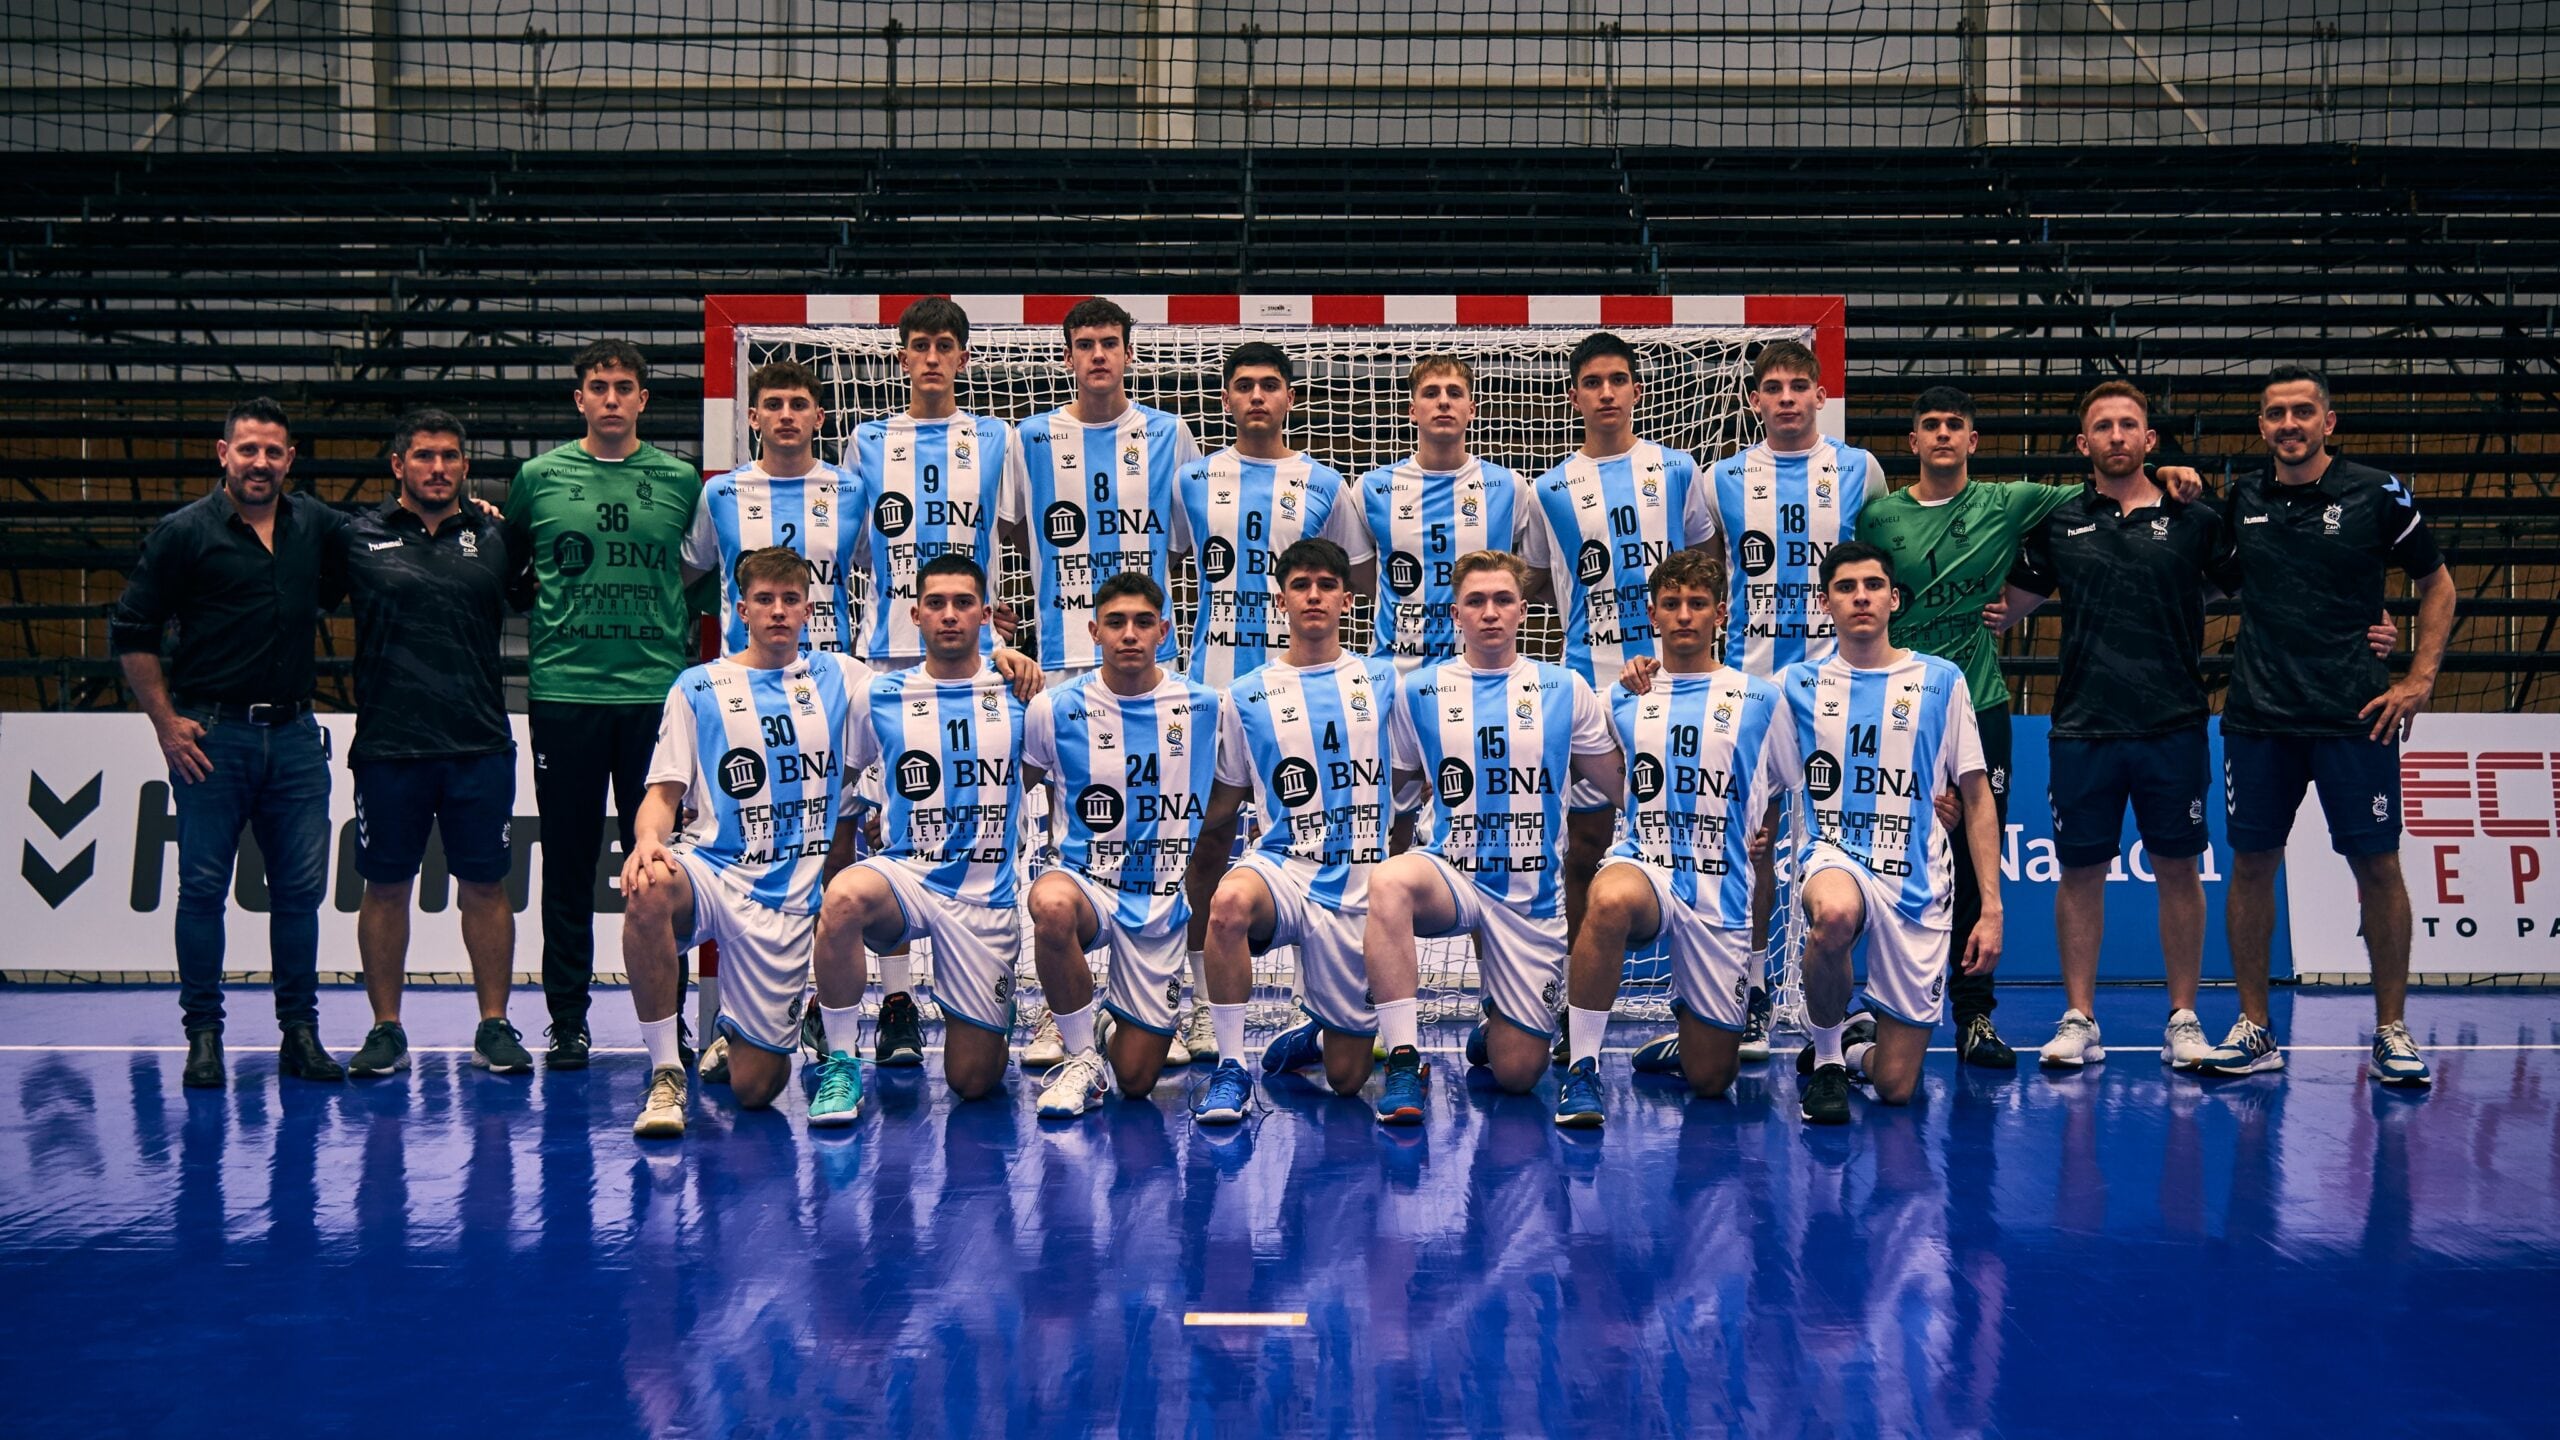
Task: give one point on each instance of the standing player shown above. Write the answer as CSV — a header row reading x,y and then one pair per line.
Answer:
x,y
785,496
1884,732
948,736
1500,739
1306,739
753,746
2316,535
1710,752
1130,752
1425,511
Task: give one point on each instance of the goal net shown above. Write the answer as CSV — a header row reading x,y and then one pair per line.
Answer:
x,y
1352,413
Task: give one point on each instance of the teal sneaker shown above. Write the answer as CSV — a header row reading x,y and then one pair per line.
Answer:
x,y
1400,1097
1578,1102
839,1097
385,1051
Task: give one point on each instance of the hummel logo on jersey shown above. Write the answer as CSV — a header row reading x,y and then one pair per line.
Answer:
x,y
2083,530
898,456
1105,740
2253,520
1457,713
755,510
919,707
737,704
384,545
1288,714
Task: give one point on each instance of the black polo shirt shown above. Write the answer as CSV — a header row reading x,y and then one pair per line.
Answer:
x,y
2135,627
429,607
2312,563
245,614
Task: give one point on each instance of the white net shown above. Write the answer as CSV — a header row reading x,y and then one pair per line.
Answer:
x,y
1351,413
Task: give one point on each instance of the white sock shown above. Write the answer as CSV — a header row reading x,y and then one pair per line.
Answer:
x,y
1200,977
660,1037
1857,1056
893,975
1228,1021
1826,1044
1075,1028
844,1027
1399,1022
1584,1030
1758,968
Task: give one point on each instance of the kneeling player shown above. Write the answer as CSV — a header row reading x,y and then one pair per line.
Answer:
x,y
1709,752
754,745
1130,752
1500,740
1884,733
948,737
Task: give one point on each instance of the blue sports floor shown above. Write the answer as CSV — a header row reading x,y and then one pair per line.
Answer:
x,y
2120,1252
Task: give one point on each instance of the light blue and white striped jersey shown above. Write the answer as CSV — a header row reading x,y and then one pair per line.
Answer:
x,y
931,488
1705,753
1608,523
950,756
1496,748
1098,499
1780,515
1130,777
1879,746
747,509
1241,514
1313,744
763,756
1420,521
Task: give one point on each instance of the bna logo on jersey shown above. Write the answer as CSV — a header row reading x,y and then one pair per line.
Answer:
x,y
1294,783
1822,774
572,553
1100,808
1217,559
1062,524
741,774
1759,552
1404,571
1644,777
1455,782
893,514
1592,565
917,775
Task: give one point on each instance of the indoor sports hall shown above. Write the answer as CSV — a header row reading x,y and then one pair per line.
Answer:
x,y
471,472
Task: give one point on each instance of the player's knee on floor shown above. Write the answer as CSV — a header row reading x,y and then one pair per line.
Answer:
x,y
1348,1059
1710,1059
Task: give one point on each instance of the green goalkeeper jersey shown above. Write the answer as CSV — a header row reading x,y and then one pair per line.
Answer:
x,y
1950,560
611,622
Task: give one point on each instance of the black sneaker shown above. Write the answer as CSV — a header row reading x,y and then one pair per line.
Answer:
x,y
498,1048
899,1037
1825,1099
385,1051
685,1055
1977,1043
569,1047
1755,1028
1859,1030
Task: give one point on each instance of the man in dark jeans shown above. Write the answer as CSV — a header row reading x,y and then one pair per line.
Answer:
x,y
239,572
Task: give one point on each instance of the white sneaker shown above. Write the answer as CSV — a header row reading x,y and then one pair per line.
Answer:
x,y
662,1113
2182,1044
1047,1050
1076,1085
2074,1043
714,1067
1176,1052
1199,1036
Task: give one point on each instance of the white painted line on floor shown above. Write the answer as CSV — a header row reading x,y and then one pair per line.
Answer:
x,y
2024,1055
1244,1317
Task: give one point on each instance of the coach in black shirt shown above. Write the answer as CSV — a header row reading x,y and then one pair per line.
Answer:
x,y
429,577
238,572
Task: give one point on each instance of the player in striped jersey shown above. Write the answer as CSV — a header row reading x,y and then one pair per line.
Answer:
x,y
1305,738
1130,753
754,745
1500,739
1710,754
1425,511
1091,490
1884,732
786,496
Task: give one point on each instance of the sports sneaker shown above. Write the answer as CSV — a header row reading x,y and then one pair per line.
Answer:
x,y
568,1048
498,1048
813,1029
1662,1057
1859,1029
685,1054
839,1097
2396,1060
1077,1084
898,1038
2182,1043
2248,1049
2074,1043
1825,1099
714,1069
1227,1097
1198,1041
1400,1098
1979,1043
1755,1028
384,1052
1578,1101
1296,1048
1048,1049
1563,1048
1479,1050
662,1113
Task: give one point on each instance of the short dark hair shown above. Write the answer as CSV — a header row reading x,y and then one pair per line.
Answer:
x,y
611,355
428,421
1313,553
1262,353
1093,311
1600,345
1942,400
1696,569
773,562
952,562
1850,552
2291,374
1129,582
261,408
782,375
934,315
1785,355
2114,390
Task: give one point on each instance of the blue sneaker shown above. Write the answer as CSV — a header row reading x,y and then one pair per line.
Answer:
x,y
1400,1098
2247,1050
1227,1097
1479,1050
1578,1102
2396,1060
1658,1057
839,1097
1294,1049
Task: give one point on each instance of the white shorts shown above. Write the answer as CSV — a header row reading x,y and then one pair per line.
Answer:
x,y
1519,958
1146,970
764,956
1333,968
1582,795
975,947
1905,961
1710,965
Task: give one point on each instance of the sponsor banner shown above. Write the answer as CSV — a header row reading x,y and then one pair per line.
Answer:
x,y
2478,795
87,816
